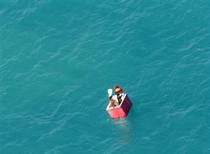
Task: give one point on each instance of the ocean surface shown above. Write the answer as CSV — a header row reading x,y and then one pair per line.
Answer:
x,y
59,57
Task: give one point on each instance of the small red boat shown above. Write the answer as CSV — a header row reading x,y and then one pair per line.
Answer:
x,y
122,109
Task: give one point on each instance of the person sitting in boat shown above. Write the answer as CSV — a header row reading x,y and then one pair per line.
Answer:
x,y
113,101
118,91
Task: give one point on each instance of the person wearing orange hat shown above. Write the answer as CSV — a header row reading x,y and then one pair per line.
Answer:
x,y
118,91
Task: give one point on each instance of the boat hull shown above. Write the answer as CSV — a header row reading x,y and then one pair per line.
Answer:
x,y
122,110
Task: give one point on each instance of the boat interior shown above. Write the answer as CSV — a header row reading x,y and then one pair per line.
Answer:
x,y
112,105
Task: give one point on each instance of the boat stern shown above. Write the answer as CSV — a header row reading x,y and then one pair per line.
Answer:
x,y
121,110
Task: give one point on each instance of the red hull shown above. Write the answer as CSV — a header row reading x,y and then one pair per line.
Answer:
x,y
121,110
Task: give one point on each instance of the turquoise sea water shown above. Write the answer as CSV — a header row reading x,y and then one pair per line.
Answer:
x,y
59,57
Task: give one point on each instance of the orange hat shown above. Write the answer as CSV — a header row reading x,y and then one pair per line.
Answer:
x,y
118,89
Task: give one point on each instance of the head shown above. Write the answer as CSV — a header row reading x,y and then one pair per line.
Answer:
x,y
117,89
